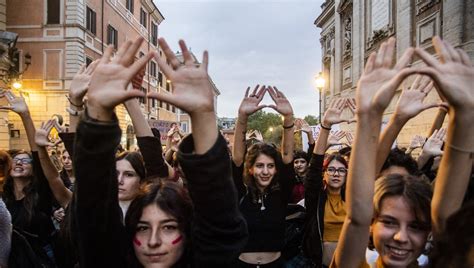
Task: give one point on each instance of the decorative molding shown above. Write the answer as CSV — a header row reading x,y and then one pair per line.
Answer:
x,y
424,5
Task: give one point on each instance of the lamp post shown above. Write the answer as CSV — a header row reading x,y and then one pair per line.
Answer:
x,y
320,82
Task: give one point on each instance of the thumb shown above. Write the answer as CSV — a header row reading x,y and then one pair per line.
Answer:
x,y
129,94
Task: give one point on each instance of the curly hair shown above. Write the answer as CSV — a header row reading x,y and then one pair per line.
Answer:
x,y
252,153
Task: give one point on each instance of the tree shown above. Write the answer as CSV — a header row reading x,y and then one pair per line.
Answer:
x,y
311,120
262,121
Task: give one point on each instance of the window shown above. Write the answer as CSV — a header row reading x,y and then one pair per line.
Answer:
x,y
168,87
129,5
153,68
143,17
53,11
173,109
167,107
154,33
91,20
154,103
142,99
112,36
160,79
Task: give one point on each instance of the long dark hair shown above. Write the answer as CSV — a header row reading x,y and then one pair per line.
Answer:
x,y
169,197
31,195
5,167
136,160
253,152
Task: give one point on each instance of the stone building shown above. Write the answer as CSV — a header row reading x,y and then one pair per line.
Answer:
x,y
61,36
351,30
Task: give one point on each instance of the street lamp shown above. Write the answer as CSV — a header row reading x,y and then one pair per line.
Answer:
x,y
320,82
271,129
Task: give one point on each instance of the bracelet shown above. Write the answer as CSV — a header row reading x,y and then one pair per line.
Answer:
x,y
73,104
72,111
461,150
290,126
323,127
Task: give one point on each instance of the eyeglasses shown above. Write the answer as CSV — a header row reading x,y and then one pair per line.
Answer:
x,y
23,160
332,171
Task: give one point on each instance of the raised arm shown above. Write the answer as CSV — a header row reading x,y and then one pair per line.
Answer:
x,y
375,90
97,215
150,146
331,116
62,194
283,107
408,106
249,105
77,90
454,77
432,147
18,105
219,230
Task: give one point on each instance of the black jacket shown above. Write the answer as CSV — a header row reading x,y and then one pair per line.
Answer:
x,y
315,201
218,231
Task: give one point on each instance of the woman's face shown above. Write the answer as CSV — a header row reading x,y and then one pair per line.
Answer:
x,y
335,175
22,166
263,170
300,165
66,161
158,240
128,180
398,236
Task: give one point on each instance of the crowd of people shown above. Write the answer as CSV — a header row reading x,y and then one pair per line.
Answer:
x,y
197,203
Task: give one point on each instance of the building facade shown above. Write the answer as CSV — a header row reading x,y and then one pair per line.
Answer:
x,y
351,30
61,36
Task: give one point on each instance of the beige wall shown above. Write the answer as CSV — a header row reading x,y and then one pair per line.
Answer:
x,y
58,51
412,23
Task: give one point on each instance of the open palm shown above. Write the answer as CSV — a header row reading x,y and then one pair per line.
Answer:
x,y
192,89
251,103
111,77
411,100
379,81
454,73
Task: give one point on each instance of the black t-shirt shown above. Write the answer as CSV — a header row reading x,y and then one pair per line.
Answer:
x,y
265,217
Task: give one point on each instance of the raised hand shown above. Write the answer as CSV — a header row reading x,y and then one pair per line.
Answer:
x,y
108,86
192,90
333,114
251,103
416,142
453,73
17,104
80,83
305,127
379,81
336,136
351,104
411,100
282,105
41,135
434,143
349,138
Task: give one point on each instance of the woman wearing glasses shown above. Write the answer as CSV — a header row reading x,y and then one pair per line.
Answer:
x,y
324,194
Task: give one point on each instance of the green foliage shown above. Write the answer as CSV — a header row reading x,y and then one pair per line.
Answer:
x,y
311,120
262,121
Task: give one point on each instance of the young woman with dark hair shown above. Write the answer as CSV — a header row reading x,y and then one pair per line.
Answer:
x,y
263,178
325,193
31,187
161,229
131,175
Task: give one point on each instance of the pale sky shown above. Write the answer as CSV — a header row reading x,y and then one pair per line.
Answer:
x,y
266,42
